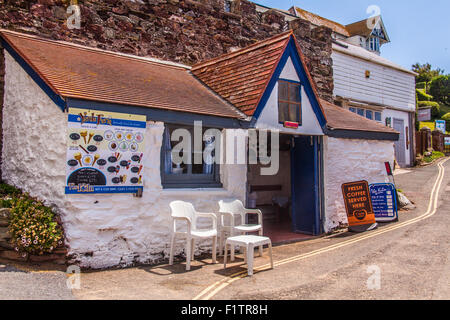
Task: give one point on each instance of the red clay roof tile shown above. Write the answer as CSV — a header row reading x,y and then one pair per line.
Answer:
x,y
73,71
241,77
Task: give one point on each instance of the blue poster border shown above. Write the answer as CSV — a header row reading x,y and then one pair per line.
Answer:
x,y
381,219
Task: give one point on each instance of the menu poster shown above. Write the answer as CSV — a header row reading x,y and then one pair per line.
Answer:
x,y
384,202
104,152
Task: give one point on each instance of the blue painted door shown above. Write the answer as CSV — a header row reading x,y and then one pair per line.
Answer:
x,y
305,185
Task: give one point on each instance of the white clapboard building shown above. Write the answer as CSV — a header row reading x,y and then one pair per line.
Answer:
x,y
365,82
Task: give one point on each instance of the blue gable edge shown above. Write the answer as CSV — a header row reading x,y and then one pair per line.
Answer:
x,y
36,78
291,51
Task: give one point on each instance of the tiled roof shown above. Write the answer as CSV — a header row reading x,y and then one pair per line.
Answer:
x,y
320,21
361,28
241,77
343,119
73,71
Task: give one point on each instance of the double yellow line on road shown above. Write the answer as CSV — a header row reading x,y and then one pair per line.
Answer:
x,y
216,287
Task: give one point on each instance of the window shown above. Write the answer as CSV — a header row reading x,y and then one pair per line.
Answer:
x,y
373,44
192,172
369,114
289,102
361,112
378,116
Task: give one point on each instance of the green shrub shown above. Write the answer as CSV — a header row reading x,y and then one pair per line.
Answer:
x,y
446,117
429,104
6,189
6,203
435,155
423,96
440,89
421,85
33,227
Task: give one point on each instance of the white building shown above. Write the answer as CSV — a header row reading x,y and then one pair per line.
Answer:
x,y
366,83
264,86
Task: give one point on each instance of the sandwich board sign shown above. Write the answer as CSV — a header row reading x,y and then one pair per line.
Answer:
x,y
384,202
358,205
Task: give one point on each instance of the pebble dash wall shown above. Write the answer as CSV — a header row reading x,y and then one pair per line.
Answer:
x,y
101,230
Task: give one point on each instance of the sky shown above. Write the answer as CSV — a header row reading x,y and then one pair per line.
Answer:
x,y
419,30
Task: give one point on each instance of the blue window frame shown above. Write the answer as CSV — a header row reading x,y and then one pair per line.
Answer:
x,y
378,116
289,101
186,175
361,112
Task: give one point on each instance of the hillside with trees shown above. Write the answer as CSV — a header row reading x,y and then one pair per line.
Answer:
x,y
433,90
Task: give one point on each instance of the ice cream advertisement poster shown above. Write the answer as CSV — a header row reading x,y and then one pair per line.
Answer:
x,y
104,152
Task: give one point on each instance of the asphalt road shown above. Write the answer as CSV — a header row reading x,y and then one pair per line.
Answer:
x,y
406,263
410,262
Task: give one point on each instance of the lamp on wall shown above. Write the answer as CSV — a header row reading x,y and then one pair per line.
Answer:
x,y
367,74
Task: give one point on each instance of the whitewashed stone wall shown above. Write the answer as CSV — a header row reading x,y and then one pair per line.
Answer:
x,y
348,160
101,230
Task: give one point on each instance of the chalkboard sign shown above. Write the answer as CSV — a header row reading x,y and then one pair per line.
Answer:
x,y
384,202
88,176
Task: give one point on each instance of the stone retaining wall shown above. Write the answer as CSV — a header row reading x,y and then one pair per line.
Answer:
x,y
181,31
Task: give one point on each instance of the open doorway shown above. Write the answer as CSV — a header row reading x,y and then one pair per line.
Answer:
x,y
289,199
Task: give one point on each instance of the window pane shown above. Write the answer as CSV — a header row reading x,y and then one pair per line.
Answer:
x,y
369,114
283,90
378,116
294,92
353,110
361,112
293,113
283,111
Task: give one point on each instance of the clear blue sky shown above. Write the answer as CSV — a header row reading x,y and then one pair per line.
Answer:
x,y
419,30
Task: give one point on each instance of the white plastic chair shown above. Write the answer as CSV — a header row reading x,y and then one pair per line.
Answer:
x,y
233,209
186,211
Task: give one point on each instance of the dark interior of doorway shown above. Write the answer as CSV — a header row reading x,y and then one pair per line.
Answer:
x,y
274,197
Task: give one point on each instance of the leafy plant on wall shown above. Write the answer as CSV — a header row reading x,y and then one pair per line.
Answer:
x,y
33,227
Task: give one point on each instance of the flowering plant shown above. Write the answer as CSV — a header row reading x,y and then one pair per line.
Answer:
x,y
32,226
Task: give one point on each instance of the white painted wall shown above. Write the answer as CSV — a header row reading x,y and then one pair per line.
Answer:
x,y
389,113
101,230
386,85
269,116
348,160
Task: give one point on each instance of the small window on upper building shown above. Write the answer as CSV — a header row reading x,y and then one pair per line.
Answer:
x,y
289,102
378,116
369,114
373,44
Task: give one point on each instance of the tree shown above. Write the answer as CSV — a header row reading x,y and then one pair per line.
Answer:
x,y
426,73
440,89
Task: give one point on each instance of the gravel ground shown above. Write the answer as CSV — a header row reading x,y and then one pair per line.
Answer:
x,y
16,284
